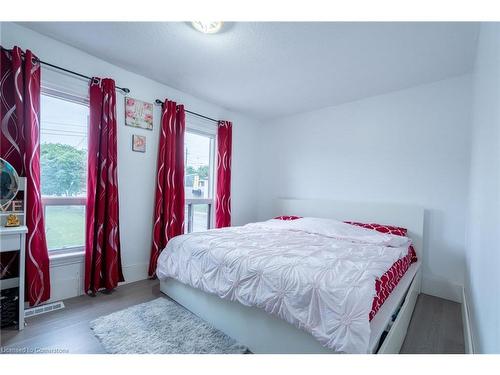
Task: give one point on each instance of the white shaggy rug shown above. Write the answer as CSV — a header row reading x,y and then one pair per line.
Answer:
x,y
161,326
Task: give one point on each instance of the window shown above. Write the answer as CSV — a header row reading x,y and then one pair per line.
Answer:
x,y
199,149
63,160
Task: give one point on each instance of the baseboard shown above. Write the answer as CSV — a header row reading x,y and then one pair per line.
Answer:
x,y
469,344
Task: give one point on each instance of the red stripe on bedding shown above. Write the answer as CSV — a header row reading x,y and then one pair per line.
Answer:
x,y
287,218
389,280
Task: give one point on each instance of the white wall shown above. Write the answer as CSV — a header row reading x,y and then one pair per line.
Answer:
x,y
137,171
483,255
409,146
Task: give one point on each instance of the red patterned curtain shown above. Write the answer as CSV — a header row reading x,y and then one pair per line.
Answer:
x,y
223,199
168,220
103,268
20,146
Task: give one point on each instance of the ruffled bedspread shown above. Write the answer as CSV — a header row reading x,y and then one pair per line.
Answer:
x,y
317,274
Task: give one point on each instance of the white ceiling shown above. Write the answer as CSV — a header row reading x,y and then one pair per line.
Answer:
x,y
268,70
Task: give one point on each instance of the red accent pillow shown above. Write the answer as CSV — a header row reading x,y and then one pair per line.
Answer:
x,y
397,231
287,217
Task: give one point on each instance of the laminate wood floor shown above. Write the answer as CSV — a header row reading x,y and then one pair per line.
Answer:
x,y
435,326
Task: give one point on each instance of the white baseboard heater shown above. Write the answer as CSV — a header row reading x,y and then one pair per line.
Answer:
x,y
43,309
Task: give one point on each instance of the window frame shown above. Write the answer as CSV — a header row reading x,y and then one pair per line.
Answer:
x,y
205,131
65,201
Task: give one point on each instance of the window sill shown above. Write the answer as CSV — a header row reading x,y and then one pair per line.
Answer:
x,y
66,258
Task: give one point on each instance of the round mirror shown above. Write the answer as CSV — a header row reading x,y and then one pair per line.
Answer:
x,y
9,181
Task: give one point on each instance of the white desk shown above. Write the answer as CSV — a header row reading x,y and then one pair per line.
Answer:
x,y
14,239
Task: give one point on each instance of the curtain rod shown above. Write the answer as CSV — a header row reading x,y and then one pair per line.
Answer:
x,y
123,89
159,102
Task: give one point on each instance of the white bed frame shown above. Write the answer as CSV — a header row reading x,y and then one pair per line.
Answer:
x,y
265,333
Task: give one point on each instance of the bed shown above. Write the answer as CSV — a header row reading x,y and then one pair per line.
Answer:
x,y
267,324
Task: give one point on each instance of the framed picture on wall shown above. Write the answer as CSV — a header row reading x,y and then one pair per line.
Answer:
x,y
138,114
138,143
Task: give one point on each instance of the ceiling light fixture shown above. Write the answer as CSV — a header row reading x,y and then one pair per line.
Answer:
x,y
207,27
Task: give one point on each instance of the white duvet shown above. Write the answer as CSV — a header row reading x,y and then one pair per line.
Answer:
x,y
317,274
